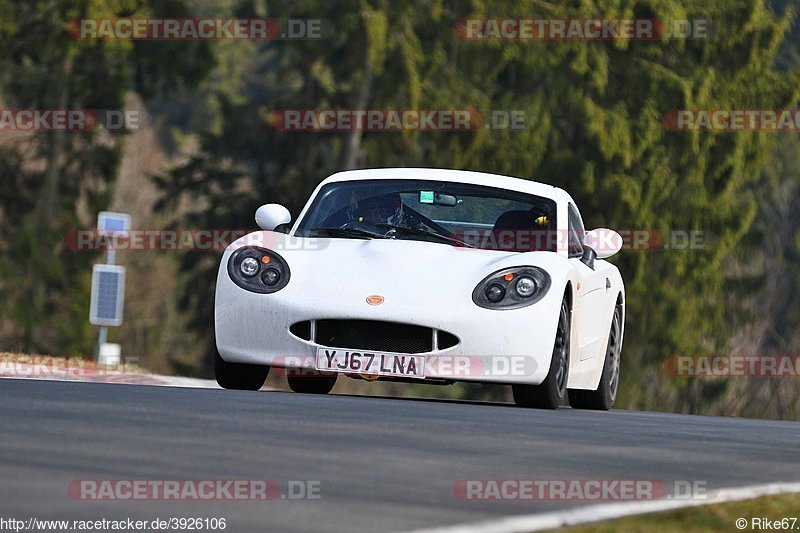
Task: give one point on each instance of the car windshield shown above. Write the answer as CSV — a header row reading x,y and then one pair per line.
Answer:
x,y
451,213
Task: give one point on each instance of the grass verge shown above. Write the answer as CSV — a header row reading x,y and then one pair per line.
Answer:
x,y
708,518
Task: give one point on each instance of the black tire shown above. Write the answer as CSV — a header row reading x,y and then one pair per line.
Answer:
x,y
603,398
239,376
550,393
321,384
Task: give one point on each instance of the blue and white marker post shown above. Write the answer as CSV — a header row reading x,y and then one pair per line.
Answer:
x,y
108,287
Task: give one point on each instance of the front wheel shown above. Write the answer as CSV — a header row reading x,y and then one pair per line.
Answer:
x,y
239,376
551,391
603,398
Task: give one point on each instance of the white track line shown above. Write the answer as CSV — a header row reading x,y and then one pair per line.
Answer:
x,y
610,511
180,381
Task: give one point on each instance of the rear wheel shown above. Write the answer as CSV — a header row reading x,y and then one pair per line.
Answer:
x,y
239,376
551,391
603,397
320,384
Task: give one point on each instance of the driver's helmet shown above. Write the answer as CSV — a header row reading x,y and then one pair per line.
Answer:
x,y
387,208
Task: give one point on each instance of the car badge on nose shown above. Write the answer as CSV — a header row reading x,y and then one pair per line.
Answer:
x,y
375,299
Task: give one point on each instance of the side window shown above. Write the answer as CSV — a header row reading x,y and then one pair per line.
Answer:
x,y
576,233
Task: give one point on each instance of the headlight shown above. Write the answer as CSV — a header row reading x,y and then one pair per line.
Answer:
x,y
525,286
245,265
271,276
512,288
495,292
249,266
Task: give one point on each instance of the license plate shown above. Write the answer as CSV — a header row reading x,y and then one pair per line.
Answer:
x,y
374,363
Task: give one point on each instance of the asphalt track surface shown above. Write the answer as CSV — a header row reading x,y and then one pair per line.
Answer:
x,y
385,464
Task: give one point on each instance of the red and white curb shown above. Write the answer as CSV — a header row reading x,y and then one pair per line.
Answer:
x,y
125,378
81,369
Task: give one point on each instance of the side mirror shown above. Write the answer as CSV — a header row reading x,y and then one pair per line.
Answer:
x,y
588,256
605,242
270,216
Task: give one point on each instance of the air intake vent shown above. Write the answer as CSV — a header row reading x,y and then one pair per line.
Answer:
x,y
374,335
446,340
302,329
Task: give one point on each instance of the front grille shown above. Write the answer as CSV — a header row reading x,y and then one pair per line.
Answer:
x,y
374,335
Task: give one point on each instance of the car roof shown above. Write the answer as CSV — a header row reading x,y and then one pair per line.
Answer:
x,y
458,176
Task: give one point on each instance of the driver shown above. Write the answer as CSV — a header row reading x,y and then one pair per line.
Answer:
x,y
387,209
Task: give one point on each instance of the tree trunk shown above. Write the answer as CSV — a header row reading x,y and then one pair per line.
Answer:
x,y
352,143
49,197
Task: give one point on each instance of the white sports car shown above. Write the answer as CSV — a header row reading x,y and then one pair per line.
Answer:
x,y
427,276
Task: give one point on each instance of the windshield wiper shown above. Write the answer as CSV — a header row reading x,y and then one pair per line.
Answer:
x,y
428,233
357,232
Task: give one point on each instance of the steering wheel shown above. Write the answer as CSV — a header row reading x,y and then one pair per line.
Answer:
x,y
371,227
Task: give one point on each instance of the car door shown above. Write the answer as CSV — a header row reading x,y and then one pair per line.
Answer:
x,y
591,290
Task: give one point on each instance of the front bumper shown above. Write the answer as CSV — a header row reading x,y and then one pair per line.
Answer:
x,y
509,346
